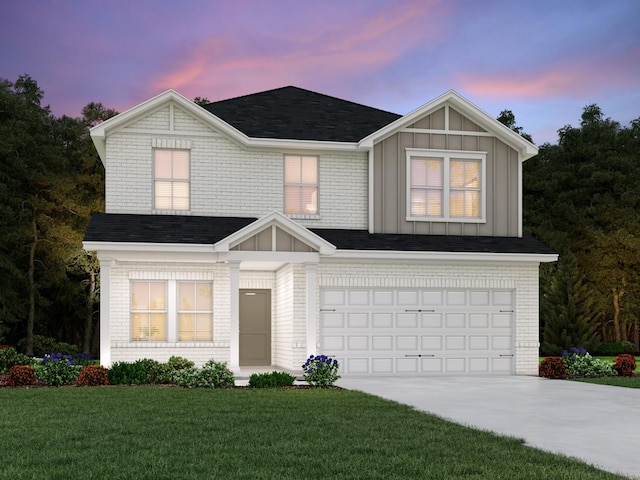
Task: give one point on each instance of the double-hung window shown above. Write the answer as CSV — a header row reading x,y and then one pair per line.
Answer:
x,y
171,179
195,311
446,185
149,311
300,185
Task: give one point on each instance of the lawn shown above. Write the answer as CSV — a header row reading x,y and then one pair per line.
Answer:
x,y
168,433
628,382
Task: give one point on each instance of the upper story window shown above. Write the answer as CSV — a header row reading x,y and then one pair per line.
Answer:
x,y
446,185
171,174
300,185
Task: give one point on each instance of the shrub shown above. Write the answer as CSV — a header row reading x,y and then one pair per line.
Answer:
x,y
552,367
321,371
580,364
615,348
93,375
43,345
57,370
271,380
21,376
180,363
128,373
625,365
212,375
10,357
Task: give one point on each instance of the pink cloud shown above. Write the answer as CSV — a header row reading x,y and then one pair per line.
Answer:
x,y
580,77
312,55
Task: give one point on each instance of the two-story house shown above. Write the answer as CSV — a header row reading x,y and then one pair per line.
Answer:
x,y
265,228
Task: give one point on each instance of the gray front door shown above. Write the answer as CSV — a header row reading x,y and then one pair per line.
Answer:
x,y
255,327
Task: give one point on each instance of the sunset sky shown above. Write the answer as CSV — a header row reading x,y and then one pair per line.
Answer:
x,y
543,59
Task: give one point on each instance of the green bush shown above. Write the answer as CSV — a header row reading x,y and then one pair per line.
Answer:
x,y
271,380
615,348
553,367
93,375
180,363
45,345
21,376
58,373
321,371
129,373
212,375
625,365
10,357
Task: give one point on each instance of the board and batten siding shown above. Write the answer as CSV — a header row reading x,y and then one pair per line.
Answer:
x,y
390,177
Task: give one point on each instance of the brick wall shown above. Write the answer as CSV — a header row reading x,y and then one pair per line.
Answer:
x,y
226,179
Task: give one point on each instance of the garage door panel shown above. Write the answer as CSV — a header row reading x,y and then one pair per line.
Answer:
x,y
432,298
454,320
382,320
431,365
418,331
479,365
478,320
358,320
454,342
407,365
407,342
382,343
407,320
358,298
501,320
478,342
431,342
382,366
358,342
383,298
479,298
431,320
408,299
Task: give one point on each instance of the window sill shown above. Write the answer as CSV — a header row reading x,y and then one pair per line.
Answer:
x,y
171,212
446,220
301,216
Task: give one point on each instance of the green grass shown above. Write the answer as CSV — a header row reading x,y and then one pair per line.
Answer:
x,y
168,433
628,382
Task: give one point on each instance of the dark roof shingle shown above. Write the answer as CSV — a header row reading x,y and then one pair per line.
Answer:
x,y
209,230
297,114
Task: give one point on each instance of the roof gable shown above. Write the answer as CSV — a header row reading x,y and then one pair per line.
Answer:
x,y
464,107
299,114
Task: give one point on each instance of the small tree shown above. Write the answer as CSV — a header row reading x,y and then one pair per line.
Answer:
x,y
568,311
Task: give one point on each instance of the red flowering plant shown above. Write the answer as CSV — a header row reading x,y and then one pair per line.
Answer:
x,y
625,365
552,367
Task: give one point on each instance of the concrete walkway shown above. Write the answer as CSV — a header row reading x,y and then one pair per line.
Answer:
x,y
597,424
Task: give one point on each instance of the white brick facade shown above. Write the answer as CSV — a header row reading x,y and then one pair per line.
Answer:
x,y
226,179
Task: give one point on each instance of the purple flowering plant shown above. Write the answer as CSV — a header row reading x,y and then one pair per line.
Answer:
x,y
320,371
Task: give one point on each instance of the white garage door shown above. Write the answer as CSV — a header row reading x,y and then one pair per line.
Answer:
x,y
418,331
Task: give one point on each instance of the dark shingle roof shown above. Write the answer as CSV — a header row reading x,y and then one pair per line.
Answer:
x,y
209,230
115,227
363,240
297,114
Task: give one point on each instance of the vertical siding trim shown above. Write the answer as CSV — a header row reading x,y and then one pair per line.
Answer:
x,y
520,205
371,187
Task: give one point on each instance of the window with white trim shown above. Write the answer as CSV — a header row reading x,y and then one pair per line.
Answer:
x,y
149,311
171,173
300,185
445,185
195,311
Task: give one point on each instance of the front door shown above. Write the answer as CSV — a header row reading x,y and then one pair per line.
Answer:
x,y
255,327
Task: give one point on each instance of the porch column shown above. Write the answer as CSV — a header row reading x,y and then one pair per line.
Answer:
x,y
234,314
105,311
312,308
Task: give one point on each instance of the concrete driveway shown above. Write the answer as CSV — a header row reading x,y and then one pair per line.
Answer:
x,y
595,423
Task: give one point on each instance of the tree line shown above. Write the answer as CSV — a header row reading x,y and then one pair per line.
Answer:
x,y
581,198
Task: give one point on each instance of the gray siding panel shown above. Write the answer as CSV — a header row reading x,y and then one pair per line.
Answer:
x,y
390,178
